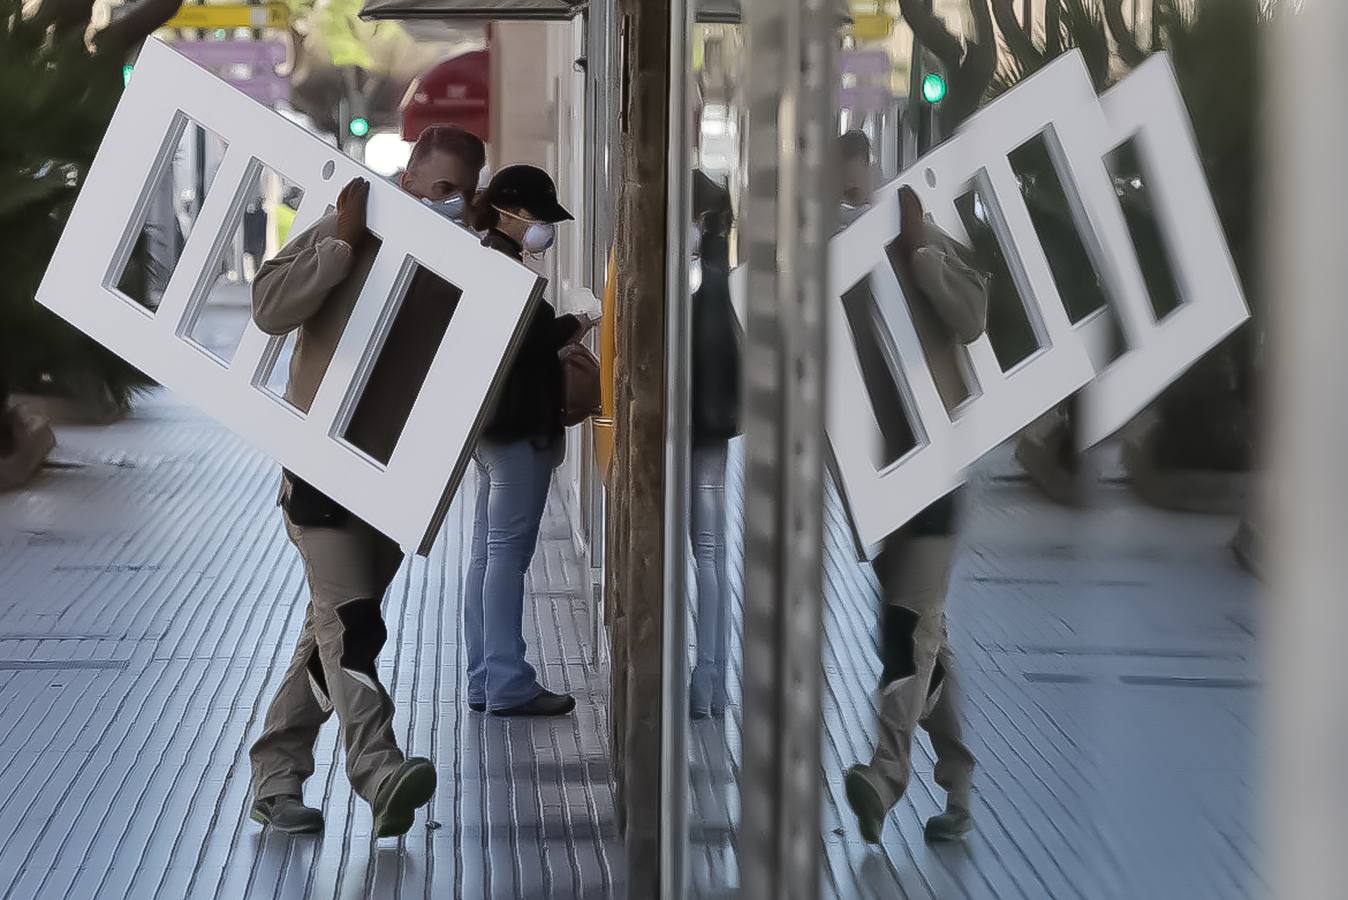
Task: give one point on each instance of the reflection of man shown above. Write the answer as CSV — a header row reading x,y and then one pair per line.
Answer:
x,y
311,287
948,302
254,232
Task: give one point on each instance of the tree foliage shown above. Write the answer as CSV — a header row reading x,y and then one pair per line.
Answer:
x,y
341,57
57,95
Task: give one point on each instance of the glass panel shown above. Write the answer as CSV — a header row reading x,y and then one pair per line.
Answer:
x,y
278,372
714,556
1074,272
403,362
257,231
172,202
887,397
1130,184
276,380
1009,327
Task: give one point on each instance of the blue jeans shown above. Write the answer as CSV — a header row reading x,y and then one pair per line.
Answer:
x,y
706,527
512,489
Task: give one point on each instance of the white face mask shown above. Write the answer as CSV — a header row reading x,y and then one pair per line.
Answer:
x,y
452,207
538,237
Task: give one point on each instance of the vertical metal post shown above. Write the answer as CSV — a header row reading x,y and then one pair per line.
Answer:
x,y
791,209
678,451
1306,141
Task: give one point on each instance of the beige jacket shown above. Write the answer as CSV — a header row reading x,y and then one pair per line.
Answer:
x,y
308,286
948,298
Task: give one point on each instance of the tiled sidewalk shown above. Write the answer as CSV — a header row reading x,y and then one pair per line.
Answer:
x,y
1108,661
149,603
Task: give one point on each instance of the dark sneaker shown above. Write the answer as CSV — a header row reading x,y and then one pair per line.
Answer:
x,y
477,705
395,803
950,825
545,704
866,804
287,814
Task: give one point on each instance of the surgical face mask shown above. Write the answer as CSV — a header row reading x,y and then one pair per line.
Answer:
x,y
538,237
452,207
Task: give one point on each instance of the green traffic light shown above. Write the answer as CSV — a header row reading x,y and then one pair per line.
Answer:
x,y
126,75
933,88
359,126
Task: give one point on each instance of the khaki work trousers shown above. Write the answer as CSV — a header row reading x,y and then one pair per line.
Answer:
x,y
918,686
335,665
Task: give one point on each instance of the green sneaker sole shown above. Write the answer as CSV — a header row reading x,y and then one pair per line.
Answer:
x,y
414,788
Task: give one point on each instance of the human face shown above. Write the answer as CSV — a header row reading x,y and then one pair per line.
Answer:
x,y
439,175
514,222
533,236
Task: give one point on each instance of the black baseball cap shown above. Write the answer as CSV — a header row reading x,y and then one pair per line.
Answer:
x,y
528,188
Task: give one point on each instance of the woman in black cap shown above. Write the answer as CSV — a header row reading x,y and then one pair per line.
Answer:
x,y
520,446
715,420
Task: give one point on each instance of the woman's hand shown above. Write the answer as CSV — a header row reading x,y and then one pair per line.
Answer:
x,y
585,323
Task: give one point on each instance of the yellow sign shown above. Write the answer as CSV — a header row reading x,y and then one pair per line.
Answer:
x,y
230,15
871,26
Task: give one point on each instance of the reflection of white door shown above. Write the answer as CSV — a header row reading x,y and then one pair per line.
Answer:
x,y
405,498
1059,105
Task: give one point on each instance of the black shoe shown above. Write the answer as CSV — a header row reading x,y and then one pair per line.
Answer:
x,y
287,814
395,803
477,707
545,704
866,804
950,825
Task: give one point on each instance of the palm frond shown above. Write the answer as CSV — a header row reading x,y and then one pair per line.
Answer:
x,y
1085,29
56,100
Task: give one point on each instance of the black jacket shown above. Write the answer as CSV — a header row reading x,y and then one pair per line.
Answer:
x,y
716,350
529,404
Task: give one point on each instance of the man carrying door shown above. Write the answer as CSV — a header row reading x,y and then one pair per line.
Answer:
x,y
310,287
947,299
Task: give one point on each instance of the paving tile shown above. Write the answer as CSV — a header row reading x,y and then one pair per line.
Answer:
x,y
1111,689
150,602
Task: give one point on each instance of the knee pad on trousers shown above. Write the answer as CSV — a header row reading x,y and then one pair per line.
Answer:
x,y
898,644
363,636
